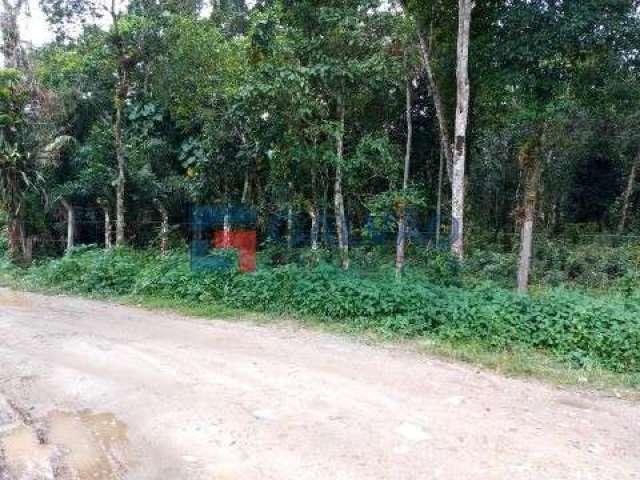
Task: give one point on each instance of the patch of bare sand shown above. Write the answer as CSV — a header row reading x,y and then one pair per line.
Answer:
x,y
9,298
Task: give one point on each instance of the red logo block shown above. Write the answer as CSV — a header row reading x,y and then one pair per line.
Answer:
x,y
245,242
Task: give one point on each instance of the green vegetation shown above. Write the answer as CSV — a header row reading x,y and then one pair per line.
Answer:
x,y
591,266
583,330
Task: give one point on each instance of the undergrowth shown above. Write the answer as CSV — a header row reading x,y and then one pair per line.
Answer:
x,y
588,331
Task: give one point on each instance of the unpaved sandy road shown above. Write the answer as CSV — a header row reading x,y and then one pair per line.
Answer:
x,y
189,399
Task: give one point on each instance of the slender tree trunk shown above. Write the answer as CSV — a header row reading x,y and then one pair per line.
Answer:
x,y
108,227
628,193
260,200
27,247
246,189
426,56
290,218
164,227
439,200
462,119
119,100
315,227
121,180
71,225
14,239
454,154
325,209
341,220
226,227
531,166
314,213
401,241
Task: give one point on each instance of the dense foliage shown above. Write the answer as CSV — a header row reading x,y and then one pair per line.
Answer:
x,y
318,109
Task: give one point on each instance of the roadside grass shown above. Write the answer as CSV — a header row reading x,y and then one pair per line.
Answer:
x,y
209,311
525,363
519,364
532,365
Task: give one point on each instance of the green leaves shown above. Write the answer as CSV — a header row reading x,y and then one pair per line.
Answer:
x,y
19,143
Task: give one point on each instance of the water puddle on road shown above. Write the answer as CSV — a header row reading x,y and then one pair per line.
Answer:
x,y
66,446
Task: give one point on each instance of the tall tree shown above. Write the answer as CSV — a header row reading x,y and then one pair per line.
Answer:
x,y
342,228
531,167
124,63
465,8
401,241
426,41
11,48
454,147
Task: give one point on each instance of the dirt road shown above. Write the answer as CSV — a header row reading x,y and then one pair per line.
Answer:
x,y
90,390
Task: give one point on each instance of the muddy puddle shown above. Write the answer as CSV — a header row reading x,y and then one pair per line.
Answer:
x,y
65,446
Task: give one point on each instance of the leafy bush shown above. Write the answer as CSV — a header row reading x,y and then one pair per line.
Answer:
x,y
373,261
558,263
3,244
590,266
599,330
3,235
482,265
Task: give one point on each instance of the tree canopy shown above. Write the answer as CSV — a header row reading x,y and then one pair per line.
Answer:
x,y
319,109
